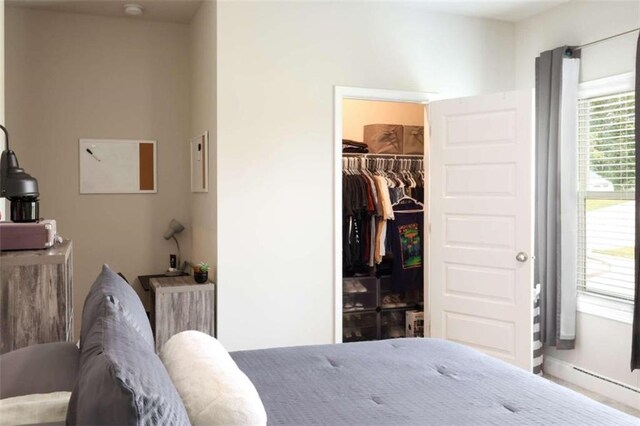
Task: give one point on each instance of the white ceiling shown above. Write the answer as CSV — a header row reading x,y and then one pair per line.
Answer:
x,y
505,10
183,10
154,10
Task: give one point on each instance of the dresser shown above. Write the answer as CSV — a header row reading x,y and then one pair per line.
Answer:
x,y
180,304
36,294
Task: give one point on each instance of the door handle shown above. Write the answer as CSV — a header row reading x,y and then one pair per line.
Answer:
x,y
522,257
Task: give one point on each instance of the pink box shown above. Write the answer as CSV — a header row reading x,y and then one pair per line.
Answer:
x,y
27,236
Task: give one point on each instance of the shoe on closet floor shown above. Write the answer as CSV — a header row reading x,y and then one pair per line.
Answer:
x,y
349,287
359,288
387,301
397,300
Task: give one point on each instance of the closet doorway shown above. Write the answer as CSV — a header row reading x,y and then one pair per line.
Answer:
x,y
383,201
477,231
370,301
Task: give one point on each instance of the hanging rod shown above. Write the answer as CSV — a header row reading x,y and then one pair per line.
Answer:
x,y
408,156
605,39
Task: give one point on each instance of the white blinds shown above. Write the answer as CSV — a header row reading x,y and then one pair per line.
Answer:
x,y
606,195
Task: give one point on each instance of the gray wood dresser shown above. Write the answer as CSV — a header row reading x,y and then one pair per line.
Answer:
x,y
180,304
36,296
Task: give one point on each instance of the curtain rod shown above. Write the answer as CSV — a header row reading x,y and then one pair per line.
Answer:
x,y
605,39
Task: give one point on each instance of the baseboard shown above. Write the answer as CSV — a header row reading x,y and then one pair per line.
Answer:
x,y
593,382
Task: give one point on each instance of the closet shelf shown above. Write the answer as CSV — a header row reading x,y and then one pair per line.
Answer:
x,y
360,311
407,307
370,155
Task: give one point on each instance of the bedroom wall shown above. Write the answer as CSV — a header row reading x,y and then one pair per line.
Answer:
x,y
577,23
71,76
203,117
357,113
602,345
278,63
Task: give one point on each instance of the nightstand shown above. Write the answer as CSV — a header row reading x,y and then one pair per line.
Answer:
x,y
36,296
179,304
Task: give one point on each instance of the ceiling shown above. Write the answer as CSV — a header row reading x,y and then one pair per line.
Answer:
x,y
183,10
505,10
180,11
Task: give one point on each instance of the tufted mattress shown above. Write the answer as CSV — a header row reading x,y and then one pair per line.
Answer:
x,y
410,381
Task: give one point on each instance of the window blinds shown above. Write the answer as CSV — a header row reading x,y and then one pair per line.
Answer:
x,y
606,195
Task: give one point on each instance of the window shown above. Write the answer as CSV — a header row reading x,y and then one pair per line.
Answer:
x,y
606,185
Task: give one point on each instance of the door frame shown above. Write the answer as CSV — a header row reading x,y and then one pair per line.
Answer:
x,y
364,94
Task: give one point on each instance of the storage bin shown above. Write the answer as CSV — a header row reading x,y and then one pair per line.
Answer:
x,y
384,138
393,324
413,140
389,299
414,321
354,285
359,293
359,327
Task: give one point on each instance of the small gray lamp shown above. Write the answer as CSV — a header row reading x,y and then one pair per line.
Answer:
x,y
174,228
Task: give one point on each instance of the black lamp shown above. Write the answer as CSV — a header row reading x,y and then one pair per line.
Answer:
x,y
18,186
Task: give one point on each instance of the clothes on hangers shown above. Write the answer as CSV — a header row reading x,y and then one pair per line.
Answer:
x,y
357,207
370,188
406,237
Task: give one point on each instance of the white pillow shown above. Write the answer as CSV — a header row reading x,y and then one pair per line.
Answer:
x,y
35,408
212,387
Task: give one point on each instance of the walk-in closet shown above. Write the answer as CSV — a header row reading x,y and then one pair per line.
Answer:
x,y
383,207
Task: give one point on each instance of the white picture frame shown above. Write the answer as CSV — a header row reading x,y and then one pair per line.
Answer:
x,y
199,154
118,166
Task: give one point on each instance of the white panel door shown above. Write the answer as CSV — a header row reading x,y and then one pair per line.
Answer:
x,y
481,157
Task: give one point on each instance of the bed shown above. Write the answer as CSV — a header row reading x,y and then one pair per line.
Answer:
x,y
410,381
114,377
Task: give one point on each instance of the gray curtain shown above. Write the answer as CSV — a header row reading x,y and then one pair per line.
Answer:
x,y
635,340
556,195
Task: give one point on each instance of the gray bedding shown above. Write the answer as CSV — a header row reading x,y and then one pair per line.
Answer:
x,y
410,381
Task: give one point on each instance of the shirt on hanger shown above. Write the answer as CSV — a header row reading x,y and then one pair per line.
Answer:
x,y
405,235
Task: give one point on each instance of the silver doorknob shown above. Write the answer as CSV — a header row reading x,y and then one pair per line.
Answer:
x,y
522,257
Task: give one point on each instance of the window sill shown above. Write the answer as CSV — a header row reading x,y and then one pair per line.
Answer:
x,y
605,307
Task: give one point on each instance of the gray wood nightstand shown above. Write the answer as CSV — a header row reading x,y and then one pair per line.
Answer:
x,y
179,304
36,296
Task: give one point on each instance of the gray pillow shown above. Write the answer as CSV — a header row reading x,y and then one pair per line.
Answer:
x,y
121,380
109,283
45,368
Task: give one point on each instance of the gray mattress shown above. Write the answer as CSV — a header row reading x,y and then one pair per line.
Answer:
x,y
410,381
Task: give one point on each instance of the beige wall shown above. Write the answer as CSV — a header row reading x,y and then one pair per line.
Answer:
x,y
76,76
602,345
357,113
278,63
203,117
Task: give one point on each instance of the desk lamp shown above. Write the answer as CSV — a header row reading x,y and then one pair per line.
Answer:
x,y
18,186
174,228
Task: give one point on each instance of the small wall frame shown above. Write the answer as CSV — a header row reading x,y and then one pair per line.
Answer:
x,y
199,147
118,166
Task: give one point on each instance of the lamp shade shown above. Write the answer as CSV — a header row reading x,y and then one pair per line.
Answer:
x,y
15,182
18,186
175,227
